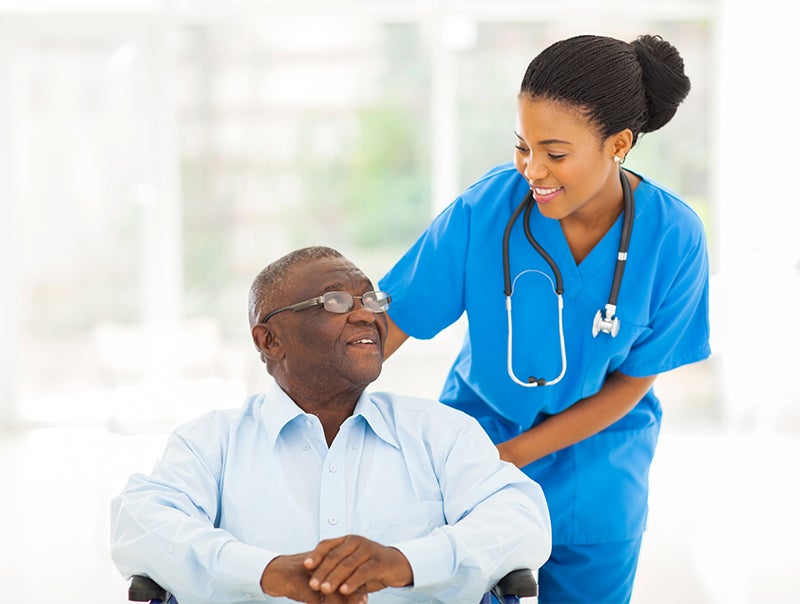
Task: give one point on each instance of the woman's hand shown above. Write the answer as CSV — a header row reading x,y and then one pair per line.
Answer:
x,y
620,393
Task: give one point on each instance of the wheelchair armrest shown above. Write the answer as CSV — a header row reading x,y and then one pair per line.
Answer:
x,y
144,589
520,583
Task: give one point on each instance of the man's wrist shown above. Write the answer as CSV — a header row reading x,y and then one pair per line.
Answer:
x,y
268,584
403,575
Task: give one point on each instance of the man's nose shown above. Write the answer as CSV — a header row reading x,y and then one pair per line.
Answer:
x,y
360,313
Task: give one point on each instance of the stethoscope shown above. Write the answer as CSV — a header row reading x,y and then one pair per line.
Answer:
x,y
605,320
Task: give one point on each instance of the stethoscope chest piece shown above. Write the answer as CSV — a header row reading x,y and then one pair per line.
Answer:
x,y
603,324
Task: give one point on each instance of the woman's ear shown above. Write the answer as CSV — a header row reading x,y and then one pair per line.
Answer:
x,y
267,342
621,143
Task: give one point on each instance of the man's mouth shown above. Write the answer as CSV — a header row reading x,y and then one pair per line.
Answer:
x,y
364,341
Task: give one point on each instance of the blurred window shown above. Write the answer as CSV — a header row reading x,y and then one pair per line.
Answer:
x,y
161,159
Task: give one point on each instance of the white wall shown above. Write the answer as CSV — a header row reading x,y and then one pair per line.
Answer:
x,y
756,295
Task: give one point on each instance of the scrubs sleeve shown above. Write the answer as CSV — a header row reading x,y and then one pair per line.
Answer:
x,y
427,283
679,330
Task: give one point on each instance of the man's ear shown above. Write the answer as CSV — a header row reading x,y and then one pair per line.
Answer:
x,y
267,342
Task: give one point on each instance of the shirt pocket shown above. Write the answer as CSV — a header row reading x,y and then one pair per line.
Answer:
x,y
392,523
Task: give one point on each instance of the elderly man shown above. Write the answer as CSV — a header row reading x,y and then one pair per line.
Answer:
x,y
318,491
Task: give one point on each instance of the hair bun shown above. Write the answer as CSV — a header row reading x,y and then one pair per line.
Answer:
x,y
665,82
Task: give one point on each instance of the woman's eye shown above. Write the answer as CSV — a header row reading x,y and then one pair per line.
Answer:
x,y
521,149
556,156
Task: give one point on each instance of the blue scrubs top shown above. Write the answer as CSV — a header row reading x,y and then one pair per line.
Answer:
x,y
597,488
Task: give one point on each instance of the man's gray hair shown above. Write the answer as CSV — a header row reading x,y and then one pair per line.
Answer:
x,y
271,282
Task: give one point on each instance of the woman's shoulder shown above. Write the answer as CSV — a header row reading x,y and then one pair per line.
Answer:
x,y
660,203
502,171
499,182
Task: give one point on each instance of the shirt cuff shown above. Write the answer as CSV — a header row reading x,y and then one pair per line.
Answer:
x,y
432,558
241,567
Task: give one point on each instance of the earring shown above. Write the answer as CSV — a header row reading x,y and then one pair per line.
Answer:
x,y
617,159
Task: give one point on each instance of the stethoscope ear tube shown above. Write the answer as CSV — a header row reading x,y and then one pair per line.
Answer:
x,y
624,241
506,235
526,222
527,205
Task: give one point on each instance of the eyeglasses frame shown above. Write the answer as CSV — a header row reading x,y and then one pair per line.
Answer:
x,y
312,302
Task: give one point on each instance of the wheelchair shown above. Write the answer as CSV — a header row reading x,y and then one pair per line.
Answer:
x,y
515,585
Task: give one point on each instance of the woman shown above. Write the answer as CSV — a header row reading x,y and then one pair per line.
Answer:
x,y
569,397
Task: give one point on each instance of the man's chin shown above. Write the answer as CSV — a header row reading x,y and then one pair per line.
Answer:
x,y
365,375
373,375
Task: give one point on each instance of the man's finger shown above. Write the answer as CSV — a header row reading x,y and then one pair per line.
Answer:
x,y
322,549
362,577
360,561
386,567
339,563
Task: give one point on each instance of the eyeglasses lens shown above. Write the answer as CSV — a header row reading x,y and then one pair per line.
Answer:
x,y
342,302
338,302
376,301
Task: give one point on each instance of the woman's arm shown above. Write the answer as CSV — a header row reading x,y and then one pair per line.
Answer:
x,y
587,417
394,338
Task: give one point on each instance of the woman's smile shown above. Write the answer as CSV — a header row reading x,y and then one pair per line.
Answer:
x,y
545,194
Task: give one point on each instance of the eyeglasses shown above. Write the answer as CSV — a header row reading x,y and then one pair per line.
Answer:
x,y
340,303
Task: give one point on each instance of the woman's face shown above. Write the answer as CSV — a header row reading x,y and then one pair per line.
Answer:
x,y
569,166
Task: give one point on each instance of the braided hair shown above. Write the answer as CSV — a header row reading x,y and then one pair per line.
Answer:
x,y
615,84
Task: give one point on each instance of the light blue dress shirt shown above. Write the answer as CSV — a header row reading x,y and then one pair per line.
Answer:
x,y
236,488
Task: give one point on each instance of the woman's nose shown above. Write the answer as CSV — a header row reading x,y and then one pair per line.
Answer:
x,y
534,170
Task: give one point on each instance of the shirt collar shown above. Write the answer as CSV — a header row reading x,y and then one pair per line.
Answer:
x,y
278,410
375,417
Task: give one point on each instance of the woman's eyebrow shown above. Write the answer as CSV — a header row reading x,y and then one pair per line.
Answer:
x,y
547,141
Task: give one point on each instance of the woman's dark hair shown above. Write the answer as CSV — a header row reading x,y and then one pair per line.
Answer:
x,y
615,84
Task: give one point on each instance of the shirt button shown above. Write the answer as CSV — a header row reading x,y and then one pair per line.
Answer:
x,y
355,446
332,468
333,521
306,447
